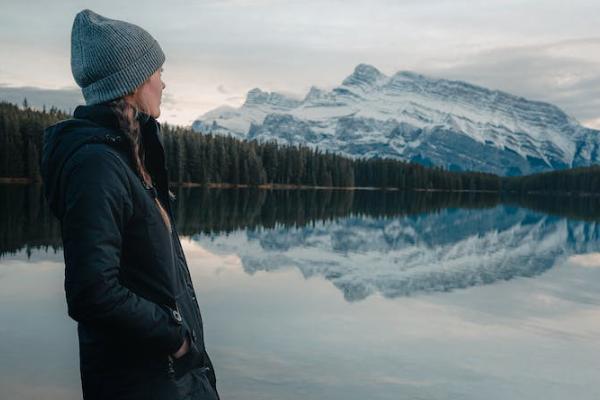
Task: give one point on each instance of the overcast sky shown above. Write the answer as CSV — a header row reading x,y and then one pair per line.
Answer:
x,y
218,50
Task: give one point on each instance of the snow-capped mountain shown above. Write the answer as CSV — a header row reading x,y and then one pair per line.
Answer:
x,y
413,117
407,256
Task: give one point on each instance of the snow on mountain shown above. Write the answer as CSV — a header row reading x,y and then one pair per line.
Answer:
x,y
413,117
407,256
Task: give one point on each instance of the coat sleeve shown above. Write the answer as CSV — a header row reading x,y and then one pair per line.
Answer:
x,y
97,207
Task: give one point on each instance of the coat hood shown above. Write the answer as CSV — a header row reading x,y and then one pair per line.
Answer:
x,y
90,123
94,124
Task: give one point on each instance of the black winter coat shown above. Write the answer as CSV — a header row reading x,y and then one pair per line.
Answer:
x,y
127,283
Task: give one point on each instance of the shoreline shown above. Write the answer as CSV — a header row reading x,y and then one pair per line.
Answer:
x,y
283,186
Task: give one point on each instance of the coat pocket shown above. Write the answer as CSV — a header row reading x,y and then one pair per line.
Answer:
x,y
178,367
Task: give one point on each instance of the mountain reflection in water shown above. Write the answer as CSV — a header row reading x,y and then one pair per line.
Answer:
x,y
364,242
404,256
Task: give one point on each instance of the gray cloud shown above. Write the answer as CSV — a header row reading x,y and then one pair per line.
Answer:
x,y
222,89
64,99
555,73
289,45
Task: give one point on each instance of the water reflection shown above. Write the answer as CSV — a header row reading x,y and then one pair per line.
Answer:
x,y
394,243
26,221
279,335
405,256
344,295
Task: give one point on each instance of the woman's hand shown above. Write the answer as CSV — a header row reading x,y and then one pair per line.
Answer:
x,y
183,349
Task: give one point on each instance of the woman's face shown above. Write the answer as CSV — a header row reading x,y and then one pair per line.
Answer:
x,y
148,95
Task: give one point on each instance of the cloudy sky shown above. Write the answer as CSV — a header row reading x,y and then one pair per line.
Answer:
x,y
218,50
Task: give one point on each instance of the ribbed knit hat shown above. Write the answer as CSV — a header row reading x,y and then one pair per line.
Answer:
x,y
110,58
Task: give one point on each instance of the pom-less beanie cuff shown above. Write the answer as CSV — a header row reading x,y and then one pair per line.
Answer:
x,y
126,80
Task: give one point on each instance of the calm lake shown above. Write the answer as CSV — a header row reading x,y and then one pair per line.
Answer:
x,y
314,294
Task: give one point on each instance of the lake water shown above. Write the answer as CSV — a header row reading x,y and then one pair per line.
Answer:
x,y
343,295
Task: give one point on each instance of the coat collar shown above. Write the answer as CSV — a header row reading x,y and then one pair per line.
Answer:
x,y
99,114
103,115
155,160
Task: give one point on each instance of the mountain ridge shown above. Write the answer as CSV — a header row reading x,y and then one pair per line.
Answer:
x,y
413,117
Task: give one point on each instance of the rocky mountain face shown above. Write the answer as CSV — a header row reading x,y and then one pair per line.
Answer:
x,y
413,117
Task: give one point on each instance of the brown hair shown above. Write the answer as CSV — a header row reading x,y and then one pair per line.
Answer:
x,y
128,122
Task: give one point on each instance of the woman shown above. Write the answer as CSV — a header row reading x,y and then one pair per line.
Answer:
x,y
127,282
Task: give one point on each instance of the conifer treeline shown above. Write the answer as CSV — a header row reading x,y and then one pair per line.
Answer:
x,y
581,179
21,132
200,158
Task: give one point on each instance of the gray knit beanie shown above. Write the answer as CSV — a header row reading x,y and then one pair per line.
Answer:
x,y
110,58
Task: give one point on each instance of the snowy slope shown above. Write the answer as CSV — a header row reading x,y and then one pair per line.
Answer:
x,y
413,117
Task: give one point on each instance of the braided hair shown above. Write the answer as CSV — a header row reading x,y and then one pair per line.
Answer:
x,y
127,117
